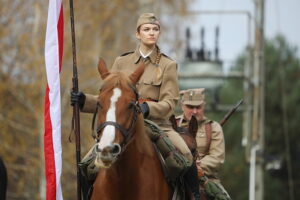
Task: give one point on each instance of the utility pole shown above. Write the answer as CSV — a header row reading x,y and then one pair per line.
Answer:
x,y
258,100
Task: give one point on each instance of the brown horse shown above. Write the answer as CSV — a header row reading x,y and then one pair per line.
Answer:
x,y
131,169
188,134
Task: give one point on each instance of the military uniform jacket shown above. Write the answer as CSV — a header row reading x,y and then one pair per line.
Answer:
x,y
158,83
212,161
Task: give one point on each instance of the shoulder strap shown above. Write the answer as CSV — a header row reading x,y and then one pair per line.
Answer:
x,y
163,54
125,54
208,132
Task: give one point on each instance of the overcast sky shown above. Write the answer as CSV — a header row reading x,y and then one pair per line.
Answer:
x,y
281,16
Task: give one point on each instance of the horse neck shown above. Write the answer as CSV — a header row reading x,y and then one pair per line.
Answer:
x,y
141,143
132,174
139,146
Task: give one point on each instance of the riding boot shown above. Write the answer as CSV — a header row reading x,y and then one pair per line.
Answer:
x,y
191,179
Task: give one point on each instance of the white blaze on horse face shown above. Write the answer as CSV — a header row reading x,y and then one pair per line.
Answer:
x,y
108,135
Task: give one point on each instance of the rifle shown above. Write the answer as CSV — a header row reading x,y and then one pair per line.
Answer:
x,y
228,115
76,111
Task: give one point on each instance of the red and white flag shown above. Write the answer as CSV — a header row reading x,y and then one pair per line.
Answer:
x,y
52,114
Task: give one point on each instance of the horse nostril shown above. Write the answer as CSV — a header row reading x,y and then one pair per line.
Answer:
x,y
116,149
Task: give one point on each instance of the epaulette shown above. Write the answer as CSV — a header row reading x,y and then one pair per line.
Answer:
x,y
166,56
125,54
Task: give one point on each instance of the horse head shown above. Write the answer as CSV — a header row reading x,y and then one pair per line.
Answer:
x,y
188,134
118,110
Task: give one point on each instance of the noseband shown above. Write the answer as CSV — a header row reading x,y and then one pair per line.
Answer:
x,y
127,133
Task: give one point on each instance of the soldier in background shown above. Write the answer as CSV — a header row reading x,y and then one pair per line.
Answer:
x,y
210,138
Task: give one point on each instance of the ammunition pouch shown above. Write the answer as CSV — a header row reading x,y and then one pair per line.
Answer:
x,y
176,163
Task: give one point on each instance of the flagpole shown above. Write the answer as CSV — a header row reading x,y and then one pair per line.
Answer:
x,y
76,106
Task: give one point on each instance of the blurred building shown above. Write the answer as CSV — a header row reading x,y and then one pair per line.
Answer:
x,y
202,68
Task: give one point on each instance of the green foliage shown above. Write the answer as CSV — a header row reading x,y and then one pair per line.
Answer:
x,y
282,72
274,188
282,95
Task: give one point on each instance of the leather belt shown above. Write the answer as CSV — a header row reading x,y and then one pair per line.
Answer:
x,y
141,100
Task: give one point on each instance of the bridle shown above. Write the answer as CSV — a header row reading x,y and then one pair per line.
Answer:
x,y
127,133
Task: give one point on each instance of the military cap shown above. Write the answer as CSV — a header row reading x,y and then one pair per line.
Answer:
x,y
147,18
194,97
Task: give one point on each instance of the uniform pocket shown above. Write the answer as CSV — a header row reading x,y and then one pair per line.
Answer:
x,y
150,88
155,82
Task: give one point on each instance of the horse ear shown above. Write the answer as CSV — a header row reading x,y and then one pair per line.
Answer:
x,y
102,68
173,121
136,75
193,126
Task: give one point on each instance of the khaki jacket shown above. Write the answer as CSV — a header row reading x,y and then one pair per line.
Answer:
x,y
90,103
213,160
158,83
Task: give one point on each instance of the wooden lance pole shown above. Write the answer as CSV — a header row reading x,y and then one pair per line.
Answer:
x,y
76,118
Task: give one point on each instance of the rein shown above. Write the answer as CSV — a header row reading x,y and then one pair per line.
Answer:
x,y
127,133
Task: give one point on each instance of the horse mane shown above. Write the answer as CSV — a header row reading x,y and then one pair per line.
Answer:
x,y
116,79
143,141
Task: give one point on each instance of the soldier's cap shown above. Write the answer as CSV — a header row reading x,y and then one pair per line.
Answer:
x,y
147,18
194,97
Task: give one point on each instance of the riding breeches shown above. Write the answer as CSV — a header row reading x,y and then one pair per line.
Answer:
x,y
178,142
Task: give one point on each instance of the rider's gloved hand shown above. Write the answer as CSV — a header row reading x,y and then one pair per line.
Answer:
x,y
145,109
78,97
